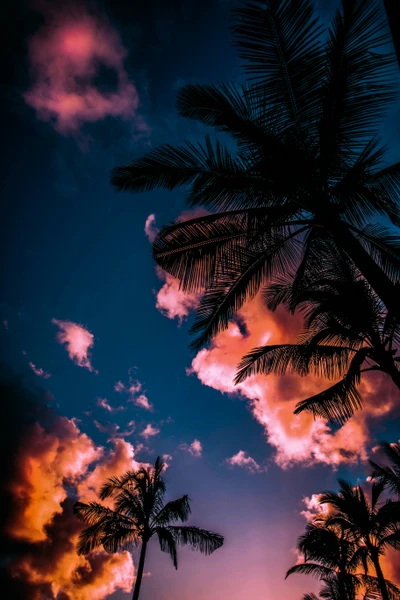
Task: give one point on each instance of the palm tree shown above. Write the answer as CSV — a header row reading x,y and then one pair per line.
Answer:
x,y
388,475
139,514
330,554
347,333
374,526
304,166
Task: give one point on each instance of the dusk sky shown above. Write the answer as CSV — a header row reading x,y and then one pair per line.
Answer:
x,y
88,320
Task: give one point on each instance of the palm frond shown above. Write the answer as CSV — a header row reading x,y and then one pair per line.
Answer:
x,y
383,245
176,510
279,41
313,569
167,543
202,540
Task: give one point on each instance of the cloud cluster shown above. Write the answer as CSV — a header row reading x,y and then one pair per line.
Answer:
x,y
244,460
39,371
66,57
136,394
171,301
296,439
52,463
77,340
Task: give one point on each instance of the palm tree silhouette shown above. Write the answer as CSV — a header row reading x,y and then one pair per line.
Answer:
x,y
139,514
331,555
374,526
388,475
306,165
347,332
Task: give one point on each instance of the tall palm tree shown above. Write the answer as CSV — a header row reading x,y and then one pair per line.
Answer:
x,y
374,526
304,163
388,475
139,514
331,554
347,333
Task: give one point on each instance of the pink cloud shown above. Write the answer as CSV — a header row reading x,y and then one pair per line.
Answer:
x,y
119,386
243,459
113,430
296,439
149,431
313,507
39,371
195,448
103,403
65,56
150,228
78,342
171,301
143,402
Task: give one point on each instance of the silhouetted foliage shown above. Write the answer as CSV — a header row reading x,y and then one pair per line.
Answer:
x,y
388,475
138,514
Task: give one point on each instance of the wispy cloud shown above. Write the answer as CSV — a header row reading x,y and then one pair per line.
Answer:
x,y
171,301
150,228
103,403
244,460
195,448
39,371
135,391
149,431
113,430
65,56
78,342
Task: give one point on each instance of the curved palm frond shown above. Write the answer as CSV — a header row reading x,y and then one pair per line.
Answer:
x,y
389,475
167,544
202,540
176,510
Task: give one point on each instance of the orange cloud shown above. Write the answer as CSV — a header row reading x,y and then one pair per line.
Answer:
x,y
66,55
49,464
78,342
244,460
296,439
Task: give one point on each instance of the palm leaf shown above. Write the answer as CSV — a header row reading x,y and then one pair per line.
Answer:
x,y
167,544
202,540
176,510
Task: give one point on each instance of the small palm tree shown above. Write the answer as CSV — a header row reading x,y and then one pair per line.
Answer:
x,y
347,333
304,164
139,514
374,526
388,475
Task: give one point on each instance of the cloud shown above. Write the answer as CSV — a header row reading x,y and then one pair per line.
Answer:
x,y
149,431
39,371
171,301
296,439
103,403
195,448
113,430
136,394
242,459
150,228
66,56
78,342
49,464
313,507
5,324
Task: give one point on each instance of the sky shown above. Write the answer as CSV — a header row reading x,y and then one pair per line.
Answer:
x,y
98,337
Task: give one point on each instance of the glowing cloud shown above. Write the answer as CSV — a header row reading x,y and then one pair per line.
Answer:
x,y
78,342
48,464
150,228
149,431
313,507
195,448
66,55
243,459
272,399
136,393
39,371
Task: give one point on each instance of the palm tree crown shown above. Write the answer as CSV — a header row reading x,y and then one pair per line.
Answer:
x,y
374,526
139,513
306,167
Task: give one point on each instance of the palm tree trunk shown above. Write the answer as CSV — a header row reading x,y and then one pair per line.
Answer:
x,y
392,7
139,573
378,280
381,578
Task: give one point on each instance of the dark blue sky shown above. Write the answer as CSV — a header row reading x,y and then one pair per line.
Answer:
x,y
76,250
